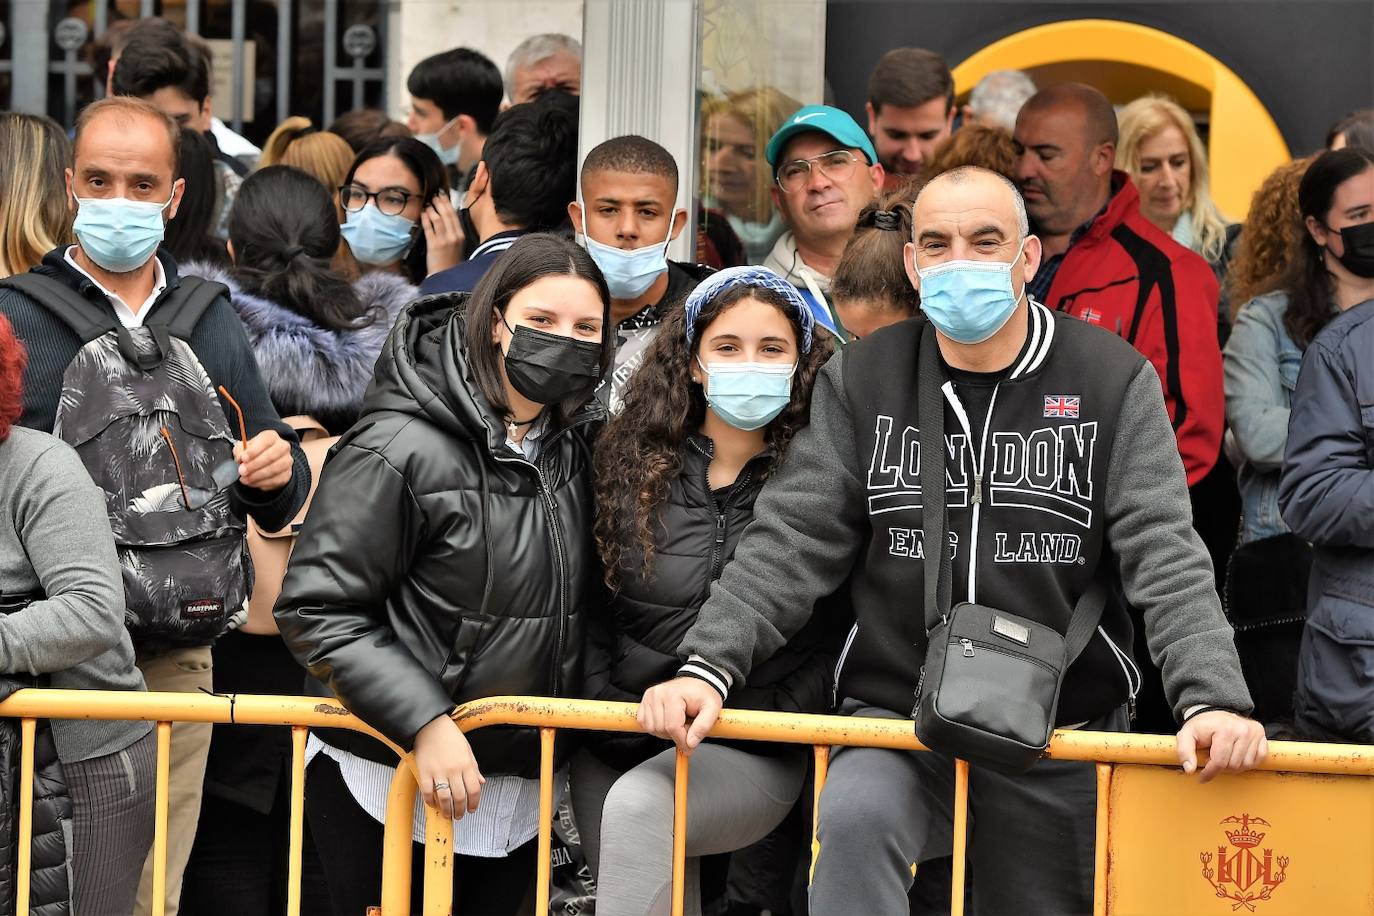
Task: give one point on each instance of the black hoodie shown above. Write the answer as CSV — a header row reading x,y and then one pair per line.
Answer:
x,y
437,565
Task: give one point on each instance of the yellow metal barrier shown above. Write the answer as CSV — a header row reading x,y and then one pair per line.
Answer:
x,y
1138,785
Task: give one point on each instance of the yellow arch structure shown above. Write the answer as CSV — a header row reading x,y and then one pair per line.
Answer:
x,y
1245,143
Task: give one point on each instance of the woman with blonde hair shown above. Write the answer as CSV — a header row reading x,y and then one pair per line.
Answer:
x,y
320,154
738,181
1160,148
34,214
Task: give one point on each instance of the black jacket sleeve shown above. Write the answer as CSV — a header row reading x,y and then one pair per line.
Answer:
x,y
222,346
360,539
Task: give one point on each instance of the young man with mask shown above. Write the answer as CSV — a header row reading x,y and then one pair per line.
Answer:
x,y
162,65
910,111
825,171
627,216
526,176
123,188
843,512
455,97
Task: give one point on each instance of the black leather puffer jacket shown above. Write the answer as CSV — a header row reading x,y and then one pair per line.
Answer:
x,y
634,637
50,883
437,565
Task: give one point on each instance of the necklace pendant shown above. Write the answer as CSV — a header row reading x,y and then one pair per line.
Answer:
x,y
511,430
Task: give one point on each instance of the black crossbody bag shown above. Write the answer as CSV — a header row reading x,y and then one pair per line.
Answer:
x,y
989,688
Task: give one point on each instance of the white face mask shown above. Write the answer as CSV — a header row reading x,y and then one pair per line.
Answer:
x,y
447,155
629,274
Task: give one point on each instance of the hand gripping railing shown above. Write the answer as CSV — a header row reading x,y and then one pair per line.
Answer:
x,y
550,715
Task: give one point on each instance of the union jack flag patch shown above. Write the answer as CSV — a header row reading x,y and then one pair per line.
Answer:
x,y
1062,405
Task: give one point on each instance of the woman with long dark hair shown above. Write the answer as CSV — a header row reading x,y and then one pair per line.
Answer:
x,y
446,558
722,391
397,214
316,338
1266,594
190,234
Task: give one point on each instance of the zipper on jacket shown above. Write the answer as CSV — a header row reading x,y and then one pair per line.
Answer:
x,y
839,665
718,507
980,463
561,562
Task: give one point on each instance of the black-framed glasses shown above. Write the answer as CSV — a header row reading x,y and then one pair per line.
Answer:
x,y
391,201
224,475
837,165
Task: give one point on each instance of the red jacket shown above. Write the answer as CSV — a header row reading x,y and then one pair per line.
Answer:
x,y
1129,277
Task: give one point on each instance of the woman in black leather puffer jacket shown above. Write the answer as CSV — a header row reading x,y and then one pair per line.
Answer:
x,y
725,385
445,558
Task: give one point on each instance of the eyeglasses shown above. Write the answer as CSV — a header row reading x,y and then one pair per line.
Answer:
x,y
391,201
224,475
837,165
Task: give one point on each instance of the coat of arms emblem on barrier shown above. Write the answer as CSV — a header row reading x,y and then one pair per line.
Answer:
x,y
1245,873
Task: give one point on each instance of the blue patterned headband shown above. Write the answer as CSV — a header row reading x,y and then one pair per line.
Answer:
x,y
760,277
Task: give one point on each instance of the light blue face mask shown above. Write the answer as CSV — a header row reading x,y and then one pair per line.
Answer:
x,y
448,155
119,235
376,238
629,274
969,301
748,395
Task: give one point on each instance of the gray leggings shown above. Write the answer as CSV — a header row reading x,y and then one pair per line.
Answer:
x,y
735,799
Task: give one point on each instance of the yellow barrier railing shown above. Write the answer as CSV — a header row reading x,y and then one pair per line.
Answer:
x,y
1107,750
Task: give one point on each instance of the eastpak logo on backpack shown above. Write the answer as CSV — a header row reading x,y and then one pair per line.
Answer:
x,y
140,410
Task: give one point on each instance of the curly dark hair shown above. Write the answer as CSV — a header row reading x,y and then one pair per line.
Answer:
x,y
639,451
13,359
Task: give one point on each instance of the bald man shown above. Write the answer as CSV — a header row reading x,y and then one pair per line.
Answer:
x,y
1109,266
123,187
1056,435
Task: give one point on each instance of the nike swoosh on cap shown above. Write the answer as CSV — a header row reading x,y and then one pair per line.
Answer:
x,y
800,118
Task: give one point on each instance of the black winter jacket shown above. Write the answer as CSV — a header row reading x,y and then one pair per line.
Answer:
x,y
50,882
438,566
635,637
1327,496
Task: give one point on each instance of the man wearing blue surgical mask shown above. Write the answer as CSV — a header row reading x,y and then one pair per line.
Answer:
x,y
455,97
122,186
627,217
1060,473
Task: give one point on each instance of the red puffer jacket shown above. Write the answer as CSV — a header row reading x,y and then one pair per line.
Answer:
x,y
1129,277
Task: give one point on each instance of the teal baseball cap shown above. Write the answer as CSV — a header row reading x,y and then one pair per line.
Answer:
x,y
827,120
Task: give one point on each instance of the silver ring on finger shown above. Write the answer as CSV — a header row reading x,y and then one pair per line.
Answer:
x,y
440,785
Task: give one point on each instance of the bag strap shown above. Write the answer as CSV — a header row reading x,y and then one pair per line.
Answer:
x,y
930,414
86,319
184,306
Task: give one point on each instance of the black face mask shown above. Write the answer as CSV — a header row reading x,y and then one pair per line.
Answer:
x,y
549,368
1359,250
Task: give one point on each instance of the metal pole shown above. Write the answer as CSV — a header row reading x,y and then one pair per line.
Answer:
x,y
29,42
283,59
237,29
145,9
193,16
69,67
331,50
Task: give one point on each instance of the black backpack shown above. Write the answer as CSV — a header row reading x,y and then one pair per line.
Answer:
x,y
139,408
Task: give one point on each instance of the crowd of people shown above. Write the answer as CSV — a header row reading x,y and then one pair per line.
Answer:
x,y
410,414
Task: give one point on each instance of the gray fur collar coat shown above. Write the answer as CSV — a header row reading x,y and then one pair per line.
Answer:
x,y
310,370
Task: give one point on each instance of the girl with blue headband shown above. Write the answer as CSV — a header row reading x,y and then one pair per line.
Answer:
x,y
721,392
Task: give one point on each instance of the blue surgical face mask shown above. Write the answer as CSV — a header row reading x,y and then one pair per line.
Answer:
x,y
448,155
629,274
376,238
748,395
969,301
119,235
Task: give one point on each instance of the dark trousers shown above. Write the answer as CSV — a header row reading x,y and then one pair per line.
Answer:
x,y
1031,846
239,863
349,841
